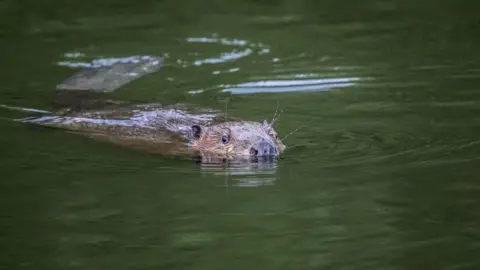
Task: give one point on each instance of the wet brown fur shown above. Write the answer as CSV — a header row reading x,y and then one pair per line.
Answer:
x,y
156,138
210,138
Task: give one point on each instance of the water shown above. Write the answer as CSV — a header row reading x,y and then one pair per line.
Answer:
x,y
384,176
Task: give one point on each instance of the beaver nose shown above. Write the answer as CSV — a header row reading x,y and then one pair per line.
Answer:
x,y
266,149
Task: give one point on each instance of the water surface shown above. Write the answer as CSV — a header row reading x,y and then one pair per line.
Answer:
x,y
384,176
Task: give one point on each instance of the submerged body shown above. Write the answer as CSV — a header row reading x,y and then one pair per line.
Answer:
x,y
171,130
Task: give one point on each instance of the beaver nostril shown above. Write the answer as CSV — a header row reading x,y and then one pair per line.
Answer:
x,y
266,149
253,151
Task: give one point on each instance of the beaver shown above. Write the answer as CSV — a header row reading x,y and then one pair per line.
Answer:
x,y
166,129
82,106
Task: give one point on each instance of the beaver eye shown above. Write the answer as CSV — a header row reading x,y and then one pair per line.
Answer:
x,y
225,139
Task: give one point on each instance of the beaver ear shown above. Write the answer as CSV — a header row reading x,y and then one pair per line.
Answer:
x,y
196,130
265,123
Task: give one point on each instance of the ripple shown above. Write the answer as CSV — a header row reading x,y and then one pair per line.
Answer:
x,y
247,48
224,41
278,86
217,72
103,61
241,49
290,80
224,57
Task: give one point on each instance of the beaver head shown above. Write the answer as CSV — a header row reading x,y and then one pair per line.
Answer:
x,y
236,139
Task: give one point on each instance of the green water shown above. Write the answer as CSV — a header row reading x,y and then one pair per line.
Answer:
x,y
383,176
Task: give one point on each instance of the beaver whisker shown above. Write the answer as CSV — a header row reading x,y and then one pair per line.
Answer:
x,y
275,120
275,114
226,109
295,130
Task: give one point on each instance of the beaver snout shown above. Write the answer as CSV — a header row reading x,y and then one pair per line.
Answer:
x,y
264,149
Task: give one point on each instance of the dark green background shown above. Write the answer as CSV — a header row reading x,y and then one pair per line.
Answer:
x,y
385,176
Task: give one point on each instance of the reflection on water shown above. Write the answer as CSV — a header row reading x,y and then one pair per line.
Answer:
x,y
253,172
103,61
243,48
224,57
300,82
223,41
316,82
231,55
278,86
